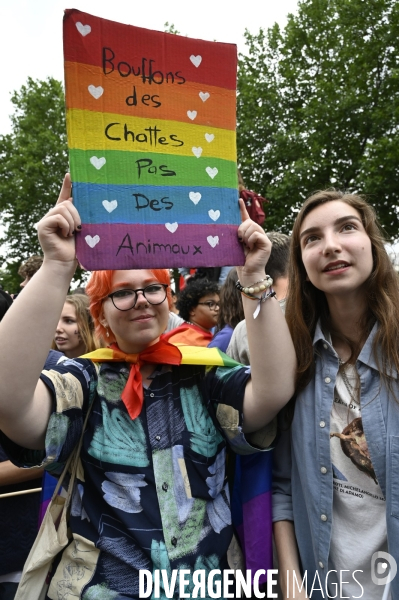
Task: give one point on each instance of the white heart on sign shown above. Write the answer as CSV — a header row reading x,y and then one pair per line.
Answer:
x,y
110,205
209,137
212,172
171,227
212,240
197,151
98,162
214,214
196,60
96,92
195,197
191,114
92,241
83,29
204,96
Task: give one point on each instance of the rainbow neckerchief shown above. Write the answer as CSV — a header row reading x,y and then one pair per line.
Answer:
x,y
191,355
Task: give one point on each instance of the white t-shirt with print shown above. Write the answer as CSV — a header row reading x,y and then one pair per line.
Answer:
x,y
359,520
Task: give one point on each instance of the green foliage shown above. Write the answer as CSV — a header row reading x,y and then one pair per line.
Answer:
x,y
170,28
9,278
318,106
33,161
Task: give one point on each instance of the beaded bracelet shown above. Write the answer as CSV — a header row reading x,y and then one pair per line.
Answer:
x,y
250,290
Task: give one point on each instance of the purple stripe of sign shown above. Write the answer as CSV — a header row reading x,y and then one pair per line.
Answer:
x,y
132,246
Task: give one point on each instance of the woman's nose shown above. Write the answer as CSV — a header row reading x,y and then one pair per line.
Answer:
x,y
331,244
141,299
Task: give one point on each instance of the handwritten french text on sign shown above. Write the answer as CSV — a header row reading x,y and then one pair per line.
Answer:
x,y
152,146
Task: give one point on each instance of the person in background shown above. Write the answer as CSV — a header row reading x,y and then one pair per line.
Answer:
x,y
277,268
174,320
75,335
216,274
231,312
252,487
18,514
29,268
174,301
198,305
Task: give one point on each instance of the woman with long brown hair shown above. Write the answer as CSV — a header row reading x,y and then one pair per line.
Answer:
x,y
337,464
231,312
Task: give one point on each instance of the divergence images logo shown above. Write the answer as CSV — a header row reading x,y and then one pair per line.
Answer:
x,y
383,568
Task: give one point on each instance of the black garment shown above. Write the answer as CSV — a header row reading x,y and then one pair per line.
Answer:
x,y
19,514
18,523
209,273
8,590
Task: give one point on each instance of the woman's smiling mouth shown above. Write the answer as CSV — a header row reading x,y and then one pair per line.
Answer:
x,y
336,266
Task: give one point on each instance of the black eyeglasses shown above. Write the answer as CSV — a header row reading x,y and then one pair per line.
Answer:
x,y
211,304
127,299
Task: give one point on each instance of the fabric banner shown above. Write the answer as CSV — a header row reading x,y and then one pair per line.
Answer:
x,y
151,123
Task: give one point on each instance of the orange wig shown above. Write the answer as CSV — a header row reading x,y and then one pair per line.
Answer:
x,y
98,288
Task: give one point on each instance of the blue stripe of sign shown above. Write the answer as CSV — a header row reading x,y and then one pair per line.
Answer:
x,y
155,204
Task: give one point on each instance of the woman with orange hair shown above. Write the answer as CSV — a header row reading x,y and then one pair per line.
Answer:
x,y
151,490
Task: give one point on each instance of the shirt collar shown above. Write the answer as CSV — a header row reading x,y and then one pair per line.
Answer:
x,y
366,355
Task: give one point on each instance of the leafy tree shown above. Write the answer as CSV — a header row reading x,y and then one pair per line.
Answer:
x,y
170,28
33,161
318,106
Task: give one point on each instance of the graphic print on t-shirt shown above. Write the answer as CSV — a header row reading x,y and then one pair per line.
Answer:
x,y
358,503
354,445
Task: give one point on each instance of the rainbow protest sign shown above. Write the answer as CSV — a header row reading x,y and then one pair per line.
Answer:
x,y
151,135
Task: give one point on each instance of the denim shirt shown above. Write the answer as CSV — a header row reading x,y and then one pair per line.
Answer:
x,y
302,476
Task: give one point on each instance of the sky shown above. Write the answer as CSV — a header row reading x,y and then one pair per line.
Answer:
x,y
31,30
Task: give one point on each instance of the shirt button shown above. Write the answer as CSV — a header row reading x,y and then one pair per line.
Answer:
x,y
322,423
325,346
174,541
323,470
157,437
152,395
321,565
323,517
165,486
327,380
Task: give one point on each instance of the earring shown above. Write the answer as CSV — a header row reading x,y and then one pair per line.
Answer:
x,y
107,332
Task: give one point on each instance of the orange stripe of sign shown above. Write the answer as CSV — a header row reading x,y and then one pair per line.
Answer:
x,y
88,88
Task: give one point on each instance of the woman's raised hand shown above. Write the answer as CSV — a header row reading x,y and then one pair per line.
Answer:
x,y
57,228
256,244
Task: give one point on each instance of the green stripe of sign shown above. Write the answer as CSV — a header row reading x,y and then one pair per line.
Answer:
x,y
136,168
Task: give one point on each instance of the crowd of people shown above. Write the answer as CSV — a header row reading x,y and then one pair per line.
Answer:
x,y
180,443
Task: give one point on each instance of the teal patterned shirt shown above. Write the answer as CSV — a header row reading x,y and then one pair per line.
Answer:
x,y
151,492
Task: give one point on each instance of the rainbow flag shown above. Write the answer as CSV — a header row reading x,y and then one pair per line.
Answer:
x,y
251,509
49,484
152,146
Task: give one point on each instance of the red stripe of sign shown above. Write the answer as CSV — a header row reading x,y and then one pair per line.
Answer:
x,y
134,48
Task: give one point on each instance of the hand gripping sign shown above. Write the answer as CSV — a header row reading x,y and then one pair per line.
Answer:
x,y
152,147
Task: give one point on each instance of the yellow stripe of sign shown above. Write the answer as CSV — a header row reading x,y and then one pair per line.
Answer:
x,y
89,130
